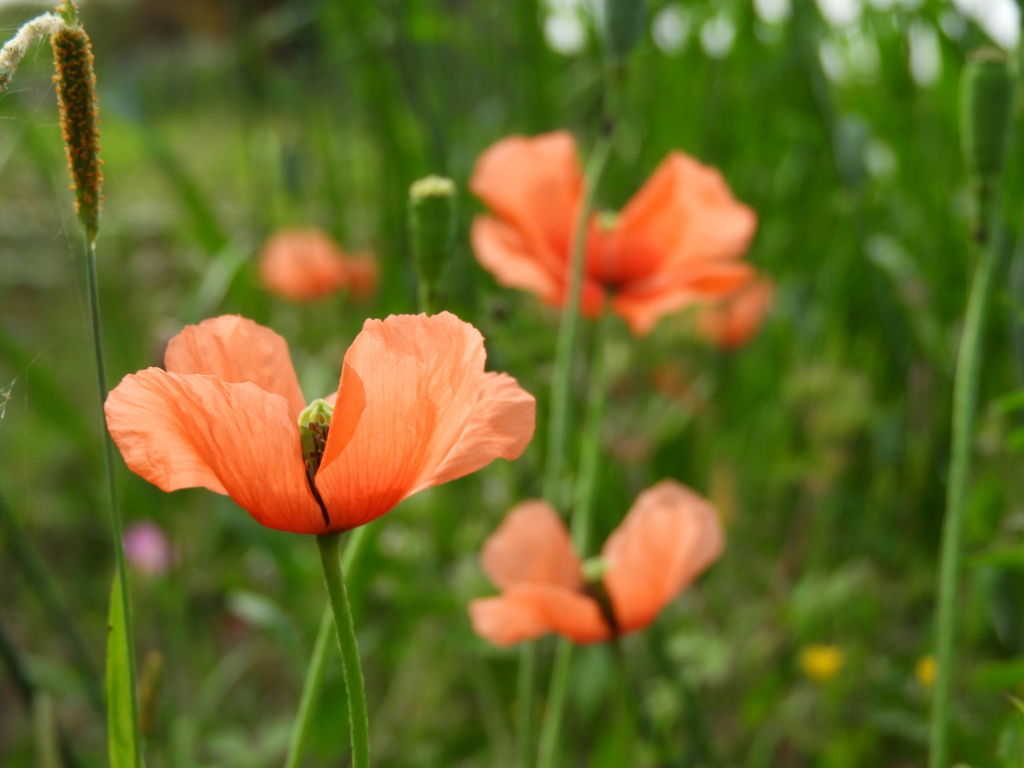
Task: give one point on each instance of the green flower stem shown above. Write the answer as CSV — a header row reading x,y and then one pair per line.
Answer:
x,y
317,670
115,513
359,724
558,419
965,397
558,422
556,704
582,514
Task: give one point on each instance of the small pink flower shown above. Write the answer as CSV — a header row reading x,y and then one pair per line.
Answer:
x,y
146,547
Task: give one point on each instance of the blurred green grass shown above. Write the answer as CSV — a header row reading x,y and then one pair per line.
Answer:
x,y
824,441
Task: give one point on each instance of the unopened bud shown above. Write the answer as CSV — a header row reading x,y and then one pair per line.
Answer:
x,y
79,120
432,225
985,99
624,22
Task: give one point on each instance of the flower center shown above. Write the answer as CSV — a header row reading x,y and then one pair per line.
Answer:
x,y
607,220
314,426
594,570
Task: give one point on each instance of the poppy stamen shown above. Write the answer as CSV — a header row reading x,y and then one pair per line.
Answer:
x,y
314,427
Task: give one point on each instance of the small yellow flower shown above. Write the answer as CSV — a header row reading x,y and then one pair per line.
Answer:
x,y
820,662
925,671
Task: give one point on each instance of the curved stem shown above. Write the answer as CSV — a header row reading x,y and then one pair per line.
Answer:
x,y
558,422
115,513
582,513
317,670
359,724
558,419
965,396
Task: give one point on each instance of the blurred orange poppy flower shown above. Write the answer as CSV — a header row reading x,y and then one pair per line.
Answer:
x,y
733,321
668,538
679,239
306,264
414,409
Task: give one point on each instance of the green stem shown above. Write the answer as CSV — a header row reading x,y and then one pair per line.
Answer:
x,y
558,418
428,298
359,724
590,450
556,704
115,512
317,670
558,421
524,702
582,514
965,396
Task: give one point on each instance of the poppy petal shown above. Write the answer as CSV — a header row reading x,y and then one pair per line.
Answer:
x,y
181,431
734,321
684,212
534,184
668,538
236,350
531,546
528,611
503,252
501,425
302,264
506,621
421,377
642,306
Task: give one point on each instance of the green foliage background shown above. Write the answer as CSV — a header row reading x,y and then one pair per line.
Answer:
x,y
824,442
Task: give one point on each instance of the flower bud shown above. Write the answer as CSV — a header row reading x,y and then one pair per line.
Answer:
x,y
624,22
432,225
985,98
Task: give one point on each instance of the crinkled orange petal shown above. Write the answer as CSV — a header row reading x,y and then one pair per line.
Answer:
x,y
685,212
534,184
643,305
502,251
668,538
236,350
501,425
181,431
531,546
421,377
734,321
506,621
302,264
528,611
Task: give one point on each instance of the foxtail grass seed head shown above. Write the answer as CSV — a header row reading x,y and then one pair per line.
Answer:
x,y
432,225
985,98
79,119
14,50
624,23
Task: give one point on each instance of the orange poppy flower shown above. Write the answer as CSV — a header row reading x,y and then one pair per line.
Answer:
x,y
677,241
735,320
414,408
306,264
363,274
668,538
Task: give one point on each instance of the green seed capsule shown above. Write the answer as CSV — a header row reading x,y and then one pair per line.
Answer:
x,y
985,98
432,225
